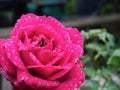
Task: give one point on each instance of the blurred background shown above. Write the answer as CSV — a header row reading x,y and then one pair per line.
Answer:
x,y
11,10
99,22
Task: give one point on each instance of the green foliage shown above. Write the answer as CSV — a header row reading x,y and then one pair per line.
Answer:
x,y
107,8
109,85
90,72
90,85
110,6
70,7
101,59
115,58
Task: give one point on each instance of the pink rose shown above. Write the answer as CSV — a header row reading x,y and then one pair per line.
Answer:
x,y
42,54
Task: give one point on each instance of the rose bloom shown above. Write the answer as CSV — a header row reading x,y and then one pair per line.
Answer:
x,y
42,54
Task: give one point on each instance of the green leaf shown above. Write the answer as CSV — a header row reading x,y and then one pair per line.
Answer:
x,y
94,32
109,85
116,52
90,85
104,54
107,38
106,73
95,46
97,56
116,61
115,57
85,35
90,72
86,58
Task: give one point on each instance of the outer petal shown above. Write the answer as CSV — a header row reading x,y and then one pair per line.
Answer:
x,y
6,67
59,28
28,20
34,82
73,79
75,36
5,62
60,74
77,51
12,53
55,24
66,56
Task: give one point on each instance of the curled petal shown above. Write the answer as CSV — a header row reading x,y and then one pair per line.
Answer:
x,y
73,79
13,54
66,56
28,58
46,71
34,82
77,51
61,73
45,56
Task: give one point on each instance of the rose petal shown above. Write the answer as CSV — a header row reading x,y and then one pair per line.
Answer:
x,y
6,64
75,36
55,23
71,54
73,79
6,67
45,56
44,71
77,51
34,82
44,30
59,28
28,20
4,61
26,40
66,55
13,54
50,33
8,76
28,58
2,41
56,59
61,73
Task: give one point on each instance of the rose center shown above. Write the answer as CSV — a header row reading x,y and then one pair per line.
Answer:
x,y
41,43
